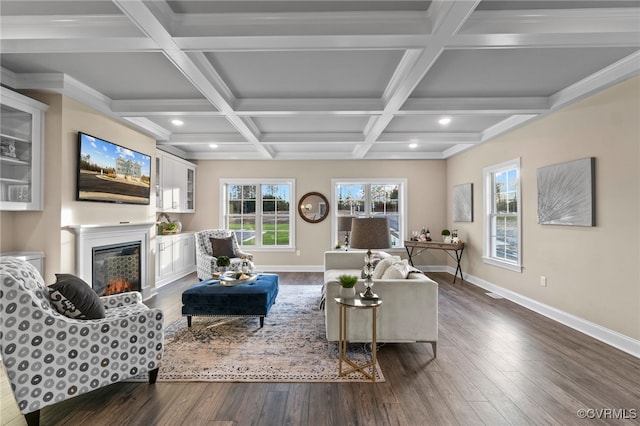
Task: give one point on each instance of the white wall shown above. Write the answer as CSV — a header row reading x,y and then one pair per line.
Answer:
x,y
592,272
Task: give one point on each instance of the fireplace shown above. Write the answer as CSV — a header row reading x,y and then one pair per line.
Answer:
x,y
116,268
123,248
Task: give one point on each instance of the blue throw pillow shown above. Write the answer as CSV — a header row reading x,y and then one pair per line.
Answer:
x,y
74,298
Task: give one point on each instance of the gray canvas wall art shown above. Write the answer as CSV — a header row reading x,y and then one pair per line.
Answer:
x,y
566,193
463,203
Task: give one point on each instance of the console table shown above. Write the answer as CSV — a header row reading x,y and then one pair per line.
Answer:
x,y
414,248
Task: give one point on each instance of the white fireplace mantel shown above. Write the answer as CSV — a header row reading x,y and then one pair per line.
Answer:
x,y
90,236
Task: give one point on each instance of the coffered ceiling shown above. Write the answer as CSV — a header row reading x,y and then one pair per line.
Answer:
x,y
320,79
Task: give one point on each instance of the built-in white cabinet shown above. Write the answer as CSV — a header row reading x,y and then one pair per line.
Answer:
x,y
175,184
21,152
175,257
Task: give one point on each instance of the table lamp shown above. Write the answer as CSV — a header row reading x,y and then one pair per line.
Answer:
x,y
370,233
344,225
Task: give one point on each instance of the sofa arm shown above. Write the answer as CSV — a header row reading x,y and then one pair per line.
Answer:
x,y
121,299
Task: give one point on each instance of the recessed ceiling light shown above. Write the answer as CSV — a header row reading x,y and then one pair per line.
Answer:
x,y
413,145
444,121
213,145
177,122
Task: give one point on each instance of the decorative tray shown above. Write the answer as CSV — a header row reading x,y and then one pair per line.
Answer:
x,y
235,278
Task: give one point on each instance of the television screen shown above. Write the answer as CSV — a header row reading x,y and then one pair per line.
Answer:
x,y
112,173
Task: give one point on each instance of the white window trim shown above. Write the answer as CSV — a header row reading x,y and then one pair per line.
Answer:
x,y
403,182
260,181
487,173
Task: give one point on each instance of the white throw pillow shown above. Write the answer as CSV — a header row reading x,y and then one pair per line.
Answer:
x,y
399,270
382,266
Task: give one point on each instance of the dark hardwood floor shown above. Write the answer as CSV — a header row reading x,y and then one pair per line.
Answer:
x,y
498,363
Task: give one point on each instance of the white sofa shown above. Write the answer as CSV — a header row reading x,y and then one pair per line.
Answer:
x,y
409,310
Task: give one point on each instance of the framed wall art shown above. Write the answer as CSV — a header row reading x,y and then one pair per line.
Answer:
x,y
566,193
463,203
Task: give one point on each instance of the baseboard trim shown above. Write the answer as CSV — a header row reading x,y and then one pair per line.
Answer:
x,y
605,335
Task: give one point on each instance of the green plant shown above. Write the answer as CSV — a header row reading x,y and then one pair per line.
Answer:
x,y
170,226
348,281
223,261
445,232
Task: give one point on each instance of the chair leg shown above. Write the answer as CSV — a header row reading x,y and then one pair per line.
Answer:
x,y
261,322
434,347
188,320
33,418
153,376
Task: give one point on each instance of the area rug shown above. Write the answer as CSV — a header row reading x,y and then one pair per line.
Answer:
x,y
291,347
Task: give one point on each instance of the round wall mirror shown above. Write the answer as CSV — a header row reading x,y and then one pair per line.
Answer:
x,y
313,207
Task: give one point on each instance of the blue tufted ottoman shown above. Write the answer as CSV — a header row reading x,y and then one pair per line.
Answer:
x,y
209,298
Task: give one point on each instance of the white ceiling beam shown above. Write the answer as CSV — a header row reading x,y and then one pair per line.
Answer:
x,y
138,12
430,138
553,21
478,105
447,18
295,106
78,45
519,40
304,138
164,107
301,42
204,138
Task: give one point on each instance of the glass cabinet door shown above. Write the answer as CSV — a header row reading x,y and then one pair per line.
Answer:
x,y
21,161
190,189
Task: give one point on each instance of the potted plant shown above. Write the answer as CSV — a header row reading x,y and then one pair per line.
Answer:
x,y
222,262
446,235
347,286
170,228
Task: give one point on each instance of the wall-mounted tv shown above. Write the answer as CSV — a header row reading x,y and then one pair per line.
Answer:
x,y
111,173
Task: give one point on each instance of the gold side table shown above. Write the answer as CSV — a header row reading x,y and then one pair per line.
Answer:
x,y
356,303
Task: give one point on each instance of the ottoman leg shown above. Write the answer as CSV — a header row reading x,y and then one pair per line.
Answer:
x,y
261,322
188,320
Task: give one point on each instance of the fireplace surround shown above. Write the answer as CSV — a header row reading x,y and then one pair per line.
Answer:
x,y
90,237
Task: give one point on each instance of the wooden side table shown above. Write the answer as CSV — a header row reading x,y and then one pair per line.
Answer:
x,y
356,303
414,248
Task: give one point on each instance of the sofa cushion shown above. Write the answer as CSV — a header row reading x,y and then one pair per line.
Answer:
x,y
382,266
74,298
398,270
222,247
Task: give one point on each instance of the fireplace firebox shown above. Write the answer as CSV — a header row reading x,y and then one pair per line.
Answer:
x,y
116,268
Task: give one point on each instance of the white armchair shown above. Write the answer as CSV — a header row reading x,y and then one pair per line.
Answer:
x,y
50,357
205,257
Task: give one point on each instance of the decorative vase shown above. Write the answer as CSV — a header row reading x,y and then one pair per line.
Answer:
x,y
347,293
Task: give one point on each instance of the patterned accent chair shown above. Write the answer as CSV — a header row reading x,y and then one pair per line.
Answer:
x,y
206,262
50,357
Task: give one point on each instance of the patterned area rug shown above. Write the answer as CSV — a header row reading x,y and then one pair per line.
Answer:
x,y
291,347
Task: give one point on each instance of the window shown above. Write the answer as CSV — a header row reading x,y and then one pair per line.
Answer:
x,y
502,225
368,198
260,213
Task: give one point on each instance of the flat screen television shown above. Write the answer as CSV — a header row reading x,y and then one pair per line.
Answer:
x,y
111,173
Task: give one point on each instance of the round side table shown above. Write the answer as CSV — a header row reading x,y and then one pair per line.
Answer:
x,y
357,303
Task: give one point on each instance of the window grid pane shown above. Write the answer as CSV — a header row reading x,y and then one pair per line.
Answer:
x,y
504,230
259,213
369,200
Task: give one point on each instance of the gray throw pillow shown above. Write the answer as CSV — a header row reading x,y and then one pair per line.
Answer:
x,y
74,298
222,247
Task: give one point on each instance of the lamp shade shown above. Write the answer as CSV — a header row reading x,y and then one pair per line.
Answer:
x,y
344,223
370,233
